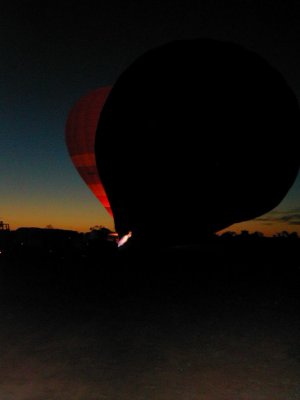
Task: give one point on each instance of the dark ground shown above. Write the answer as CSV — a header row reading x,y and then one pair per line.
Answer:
x,y
214,322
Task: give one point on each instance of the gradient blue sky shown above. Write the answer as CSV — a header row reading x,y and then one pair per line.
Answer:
x,y
54,52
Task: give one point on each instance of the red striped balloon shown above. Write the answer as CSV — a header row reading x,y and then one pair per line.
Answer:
x,y
80,139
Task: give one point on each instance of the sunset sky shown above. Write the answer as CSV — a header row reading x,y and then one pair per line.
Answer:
x,y
53,53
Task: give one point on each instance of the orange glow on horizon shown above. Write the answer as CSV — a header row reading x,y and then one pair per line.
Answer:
x,y
70,221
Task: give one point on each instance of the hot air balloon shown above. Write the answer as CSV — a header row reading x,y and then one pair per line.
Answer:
x,y
202,134
80,139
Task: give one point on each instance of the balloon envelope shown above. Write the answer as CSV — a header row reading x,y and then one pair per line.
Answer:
x,y
204,134
80,139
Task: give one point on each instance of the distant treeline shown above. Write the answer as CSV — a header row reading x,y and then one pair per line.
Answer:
x,y
69,259
55,243
68,243
259,235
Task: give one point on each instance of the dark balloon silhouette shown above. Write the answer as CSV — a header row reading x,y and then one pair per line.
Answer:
x,y
194,136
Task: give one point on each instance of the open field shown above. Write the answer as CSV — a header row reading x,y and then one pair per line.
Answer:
x,y
193,330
